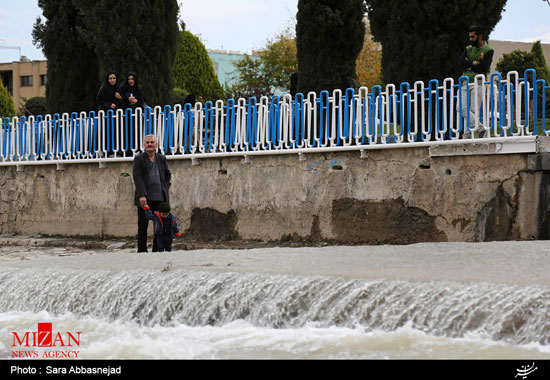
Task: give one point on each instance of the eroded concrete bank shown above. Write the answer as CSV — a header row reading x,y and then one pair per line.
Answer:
x,y
393,196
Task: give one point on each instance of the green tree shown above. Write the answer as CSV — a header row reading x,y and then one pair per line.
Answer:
x,y
422,39
520,60
179,95
7,108
193,69
280,59
329,37
72,66
139,36
252,80
540,62
269,70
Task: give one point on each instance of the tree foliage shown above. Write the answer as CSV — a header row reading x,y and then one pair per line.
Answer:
x,y
369,63
422,39
193,68
279,59
7,108
179,96
252,80
269,71
139,36
329,36
72,66
82,40
520,60
36,106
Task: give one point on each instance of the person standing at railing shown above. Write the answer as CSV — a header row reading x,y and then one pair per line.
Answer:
x,y
152,179
109,95
475,59
132,96
109,98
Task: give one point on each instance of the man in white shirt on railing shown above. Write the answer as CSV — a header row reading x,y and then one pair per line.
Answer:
x,y
476,59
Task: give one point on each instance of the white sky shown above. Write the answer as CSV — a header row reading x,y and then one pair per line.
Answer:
x,y
244,25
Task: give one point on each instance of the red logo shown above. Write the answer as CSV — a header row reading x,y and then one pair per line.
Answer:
x,y
46,337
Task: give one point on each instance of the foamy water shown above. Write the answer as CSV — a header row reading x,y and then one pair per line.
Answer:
x,y
242,340
408,302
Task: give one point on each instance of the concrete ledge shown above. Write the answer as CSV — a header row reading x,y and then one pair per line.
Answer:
x,y
486,147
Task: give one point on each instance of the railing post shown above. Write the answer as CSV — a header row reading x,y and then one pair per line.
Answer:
x,y
533,90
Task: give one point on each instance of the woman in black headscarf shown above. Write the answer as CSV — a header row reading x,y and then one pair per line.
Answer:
x,y
109,95
132,97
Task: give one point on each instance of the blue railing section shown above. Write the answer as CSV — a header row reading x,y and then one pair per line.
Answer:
x,y
407,114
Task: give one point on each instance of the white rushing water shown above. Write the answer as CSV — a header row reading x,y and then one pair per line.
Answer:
x,y
447,300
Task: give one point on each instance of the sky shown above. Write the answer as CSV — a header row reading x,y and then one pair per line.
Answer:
x,y
246,25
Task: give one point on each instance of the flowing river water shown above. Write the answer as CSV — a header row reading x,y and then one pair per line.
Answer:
x,y
420,301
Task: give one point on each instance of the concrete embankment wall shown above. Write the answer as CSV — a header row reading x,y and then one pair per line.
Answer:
x,y
403,195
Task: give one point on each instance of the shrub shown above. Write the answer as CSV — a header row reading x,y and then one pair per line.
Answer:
x,y
7,108
179,95
36,106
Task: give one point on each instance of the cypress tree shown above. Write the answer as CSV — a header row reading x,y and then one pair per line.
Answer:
x,y
423,39
193,69
543,72
329,37
139,36
72,66
540,62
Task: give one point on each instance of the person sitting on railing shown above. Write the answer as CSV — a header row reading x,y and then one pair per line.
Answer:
x,y
109,95
476,59
132,96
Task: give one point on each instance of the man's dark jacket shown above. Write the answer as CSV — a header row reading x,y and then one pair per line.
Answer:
x,y
141,174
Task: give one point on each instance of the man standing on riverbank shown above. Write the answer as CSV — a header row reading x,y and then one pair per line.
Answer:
x,y
152,180
476,59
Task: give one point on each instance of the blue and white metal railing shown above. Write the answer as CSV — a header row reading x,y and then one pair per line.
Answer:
x,y
389,117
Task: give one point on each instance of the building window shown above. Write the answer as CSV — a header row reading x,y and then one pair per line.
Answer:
x,y
26,81
43,79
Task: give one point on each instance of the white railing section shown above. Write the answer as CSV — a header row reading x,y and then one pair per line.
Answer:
x,y
379,118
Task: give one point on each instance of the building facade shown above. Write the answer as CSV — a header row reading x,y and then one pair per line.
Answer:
x,y
224,64
24,79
